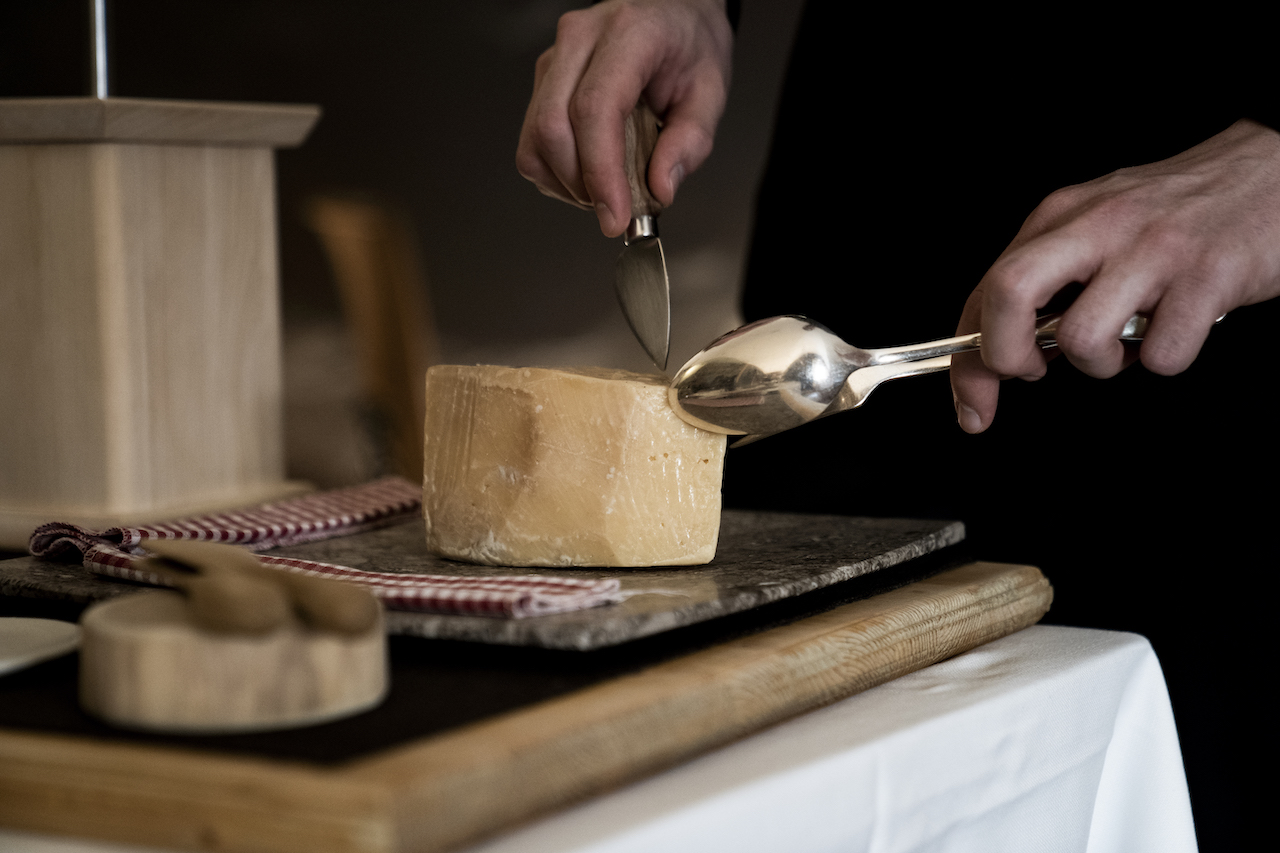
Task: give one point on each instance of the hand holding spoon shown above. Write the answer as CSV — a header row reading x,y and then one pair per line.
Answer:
x,y
776,374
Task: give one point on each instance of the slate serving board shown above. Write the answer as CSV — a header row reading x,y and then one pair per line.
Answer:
x,y
761,557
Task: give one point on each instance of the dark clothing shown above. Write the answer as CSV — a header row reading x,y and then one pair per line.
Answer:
x,y
1144,499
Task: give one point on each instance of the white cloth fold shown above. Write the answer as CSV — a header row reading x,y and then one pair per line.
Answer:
x,y
1050,740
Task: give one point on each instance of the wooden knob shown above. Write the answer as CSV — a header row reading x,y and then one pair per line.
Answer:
x,y
226,603
229,585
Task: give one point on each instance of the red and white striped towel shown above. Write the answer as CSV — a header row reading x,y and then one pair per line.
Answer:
x,y
322,515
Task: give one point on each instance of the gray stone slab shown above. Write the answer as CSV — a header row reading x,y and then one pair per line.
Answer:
x,y
762,557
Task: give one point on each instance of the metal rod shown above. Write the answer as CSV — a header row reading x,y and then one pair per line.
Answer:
x,y
98,9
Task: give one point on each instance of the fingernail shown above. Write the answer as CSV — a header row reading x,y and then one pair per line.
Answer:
x,y
677,177
968,418
604,215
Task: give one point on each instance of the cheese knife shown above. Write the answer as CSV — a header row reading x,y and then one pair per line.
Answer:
x,y
641,272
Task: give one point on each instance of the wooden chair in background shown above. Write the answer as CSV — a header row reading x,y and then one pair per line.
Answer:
x,y
384,297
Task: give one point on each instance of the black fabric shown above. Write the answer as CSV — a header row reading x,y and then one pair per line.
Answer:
x,y
732,11
908,150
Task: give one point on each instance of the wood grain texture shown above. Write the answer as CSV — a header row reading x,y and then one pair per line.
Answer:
x,y
145,665
139,332
640,135
445,791
187,800
155,121
234,582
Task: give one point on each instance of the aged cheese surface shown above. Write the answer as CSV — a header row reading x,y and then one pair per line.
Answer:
x,y
542,467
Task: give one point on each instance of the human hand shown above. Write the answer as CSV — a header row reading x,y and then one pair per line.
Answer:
x,y
1186,239
676,53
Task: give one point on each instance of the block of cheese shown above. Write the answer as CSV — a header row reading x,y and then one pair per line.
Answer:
x,y
581,467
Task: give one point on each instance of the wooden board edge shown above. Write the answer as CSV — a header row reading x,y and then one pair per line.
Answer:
x,y
173,798
631,727
155,120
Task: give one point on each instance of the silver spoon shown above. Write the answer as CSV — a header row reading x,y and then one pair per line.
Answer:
x,y
776,374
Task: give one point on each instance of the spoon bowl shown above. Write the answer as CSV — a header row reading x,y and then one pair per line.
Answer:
x,y
779,373
764,377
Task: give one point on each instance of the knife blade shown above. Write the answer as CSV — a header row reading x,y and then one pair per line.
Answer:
x,y
641,272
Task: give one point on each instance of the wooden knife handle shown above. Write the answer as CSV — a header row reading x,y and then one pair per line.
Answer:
x,y
641,134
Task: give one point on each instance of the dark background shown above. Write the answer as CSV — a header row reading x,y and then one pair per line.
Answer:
x,y
1147,500
422,103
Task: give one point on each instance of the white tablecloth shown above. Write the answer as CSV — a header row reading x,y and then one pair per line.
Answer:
x,y
1052,739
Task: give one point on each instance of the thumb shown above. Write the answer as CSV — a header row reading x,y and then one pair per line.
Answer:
x,y
684,144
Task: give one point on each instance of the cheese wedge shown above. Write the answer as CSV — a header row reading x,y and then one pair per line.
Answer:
x,y
541,467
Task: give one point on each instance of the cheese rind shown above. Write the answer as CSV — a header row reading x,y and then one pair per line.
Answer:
x,y
543,467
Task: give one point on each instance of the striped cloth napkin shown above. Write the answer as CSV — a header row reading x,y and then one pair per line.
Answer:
x,y
114,552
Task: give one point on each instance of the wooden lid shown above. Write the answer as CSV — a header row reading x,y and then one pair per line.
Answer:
x,y
154,121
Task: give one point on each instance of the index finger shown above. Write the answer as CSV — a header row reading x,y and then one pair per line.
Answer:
x,y
1017,286
548,149
608,92
974,388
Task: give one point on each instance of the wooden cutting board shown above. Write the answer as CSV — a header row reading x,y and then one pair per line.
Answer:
x,y
438,792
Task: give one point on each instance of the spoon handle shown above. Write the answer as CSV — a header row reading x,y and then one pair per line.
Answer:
x,y
1047,329
861,383
1046,336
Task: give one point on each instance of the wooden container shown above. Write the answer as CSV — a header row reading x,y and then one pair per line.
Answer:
x,y
140,365
145,665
